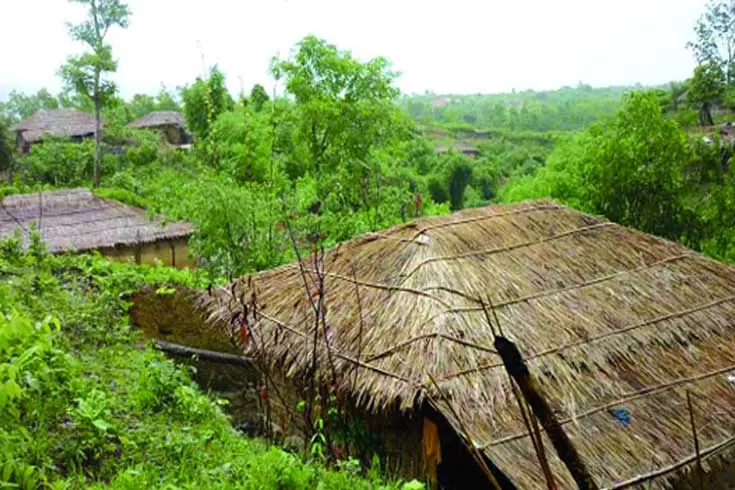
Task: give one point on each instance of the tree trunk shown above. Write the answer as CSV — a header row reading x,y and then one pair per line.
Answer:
x,y
97,140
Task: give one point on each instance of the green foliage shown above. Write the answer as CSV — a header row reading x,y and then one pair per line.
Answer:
x,y
258,97
243,139
7,148
715,37
204,101
345,107
19,106
85,74
705,88
569,108
58,162
630,169
83,405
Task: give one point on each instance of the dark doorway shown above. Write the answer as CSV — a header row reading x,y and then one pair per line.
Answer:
x,y
458,468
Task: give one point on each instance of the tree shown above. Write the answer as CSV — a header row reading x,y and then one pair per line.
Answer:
x,y
715,37
258,97
631,169
85,74
346,108
19,105
706,87
6,149
204,101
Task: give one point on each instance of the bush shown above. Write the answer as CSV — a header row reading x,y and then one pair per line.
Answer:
x,y
84,403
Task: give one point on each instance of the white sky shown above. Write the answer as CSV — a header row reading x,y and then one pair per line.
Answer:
x,y
459,46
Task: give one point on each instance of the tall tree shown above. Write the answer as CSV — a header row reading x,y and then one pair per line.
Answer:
x,y
346,108
258,97
86,73
715,37
705,88
204,101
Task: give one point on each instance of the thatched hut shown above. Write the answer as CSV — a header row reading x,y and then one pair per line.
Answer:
x,y
170,125
616,325
78,221
64,123
464,148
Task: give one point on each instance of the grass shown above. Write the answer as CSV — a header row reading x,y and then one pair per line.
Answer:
x,y
85,402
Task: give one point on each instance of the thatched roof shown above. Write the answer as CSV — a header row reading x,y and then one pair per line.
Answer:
x,y
607,317
56,122
76,220
156,119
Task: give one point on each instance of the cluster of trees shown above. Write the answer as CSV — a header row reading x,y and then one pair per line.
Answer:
x,y
341,152
640,169
566,109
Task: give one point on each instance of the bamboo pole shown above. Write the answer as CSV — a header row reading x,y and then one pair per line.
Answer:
x,y
206,355
700,470
517,369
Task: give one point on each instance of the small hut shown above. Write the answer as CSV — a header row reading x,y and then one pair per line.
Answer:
x,y
77,221
617,326
63,123
464,148
170,124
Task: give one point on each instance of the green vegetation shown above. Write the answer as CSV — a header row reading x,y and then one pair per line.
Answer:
x,y
86,403
85,74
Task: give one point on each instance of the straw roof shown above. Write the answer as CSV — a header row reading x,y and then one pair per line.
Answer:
x,y
56,122
76,220
606,317
157,119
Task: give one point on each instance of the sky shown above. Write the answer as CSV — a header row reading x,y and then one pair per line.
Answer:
x,y
450,46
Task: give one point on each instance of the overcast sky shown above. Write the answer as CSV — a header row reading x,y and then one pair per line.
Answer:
x,y
457,46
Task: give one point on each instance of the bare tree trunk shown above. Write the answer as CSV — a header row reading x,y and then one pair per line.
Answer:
x,y
97,141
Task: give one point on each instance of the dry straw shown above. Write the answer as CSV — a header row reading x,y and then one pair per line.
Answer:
x,y
76,220
605,316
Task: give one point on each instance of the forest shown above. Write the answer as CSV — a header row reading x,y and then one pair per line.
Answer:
x,y
339,153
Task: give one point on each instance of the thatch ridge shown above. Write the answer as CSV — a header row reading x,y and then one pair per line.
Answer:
x,y
607,317
156,119
56,122
76,220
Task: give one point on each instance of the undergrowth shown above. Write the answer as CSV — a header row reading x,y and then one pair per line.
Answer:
x,y
87,403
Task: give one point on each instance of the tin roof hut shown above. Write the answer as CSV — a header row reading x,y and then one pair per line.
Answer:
x,y
170,124
64,123
615,324
78,221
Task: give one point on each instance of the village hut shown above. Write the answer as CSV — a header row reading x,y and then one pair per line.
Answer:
x,y
170,124
63,123
617,326
78,221
464,148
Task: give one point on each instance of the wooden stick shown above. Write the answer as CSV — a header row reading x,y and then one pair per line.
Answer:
x,y
207,355
700,470
533,431
567,452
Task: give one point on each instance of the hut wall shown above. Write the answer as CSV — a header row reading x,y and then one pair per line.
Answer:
x,y
169,252
395,437
175,318
172,135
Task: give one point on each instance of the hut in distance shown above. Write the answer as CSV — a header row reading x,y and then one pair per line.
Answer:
x,y
62,123
617,326
170,125
77,221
